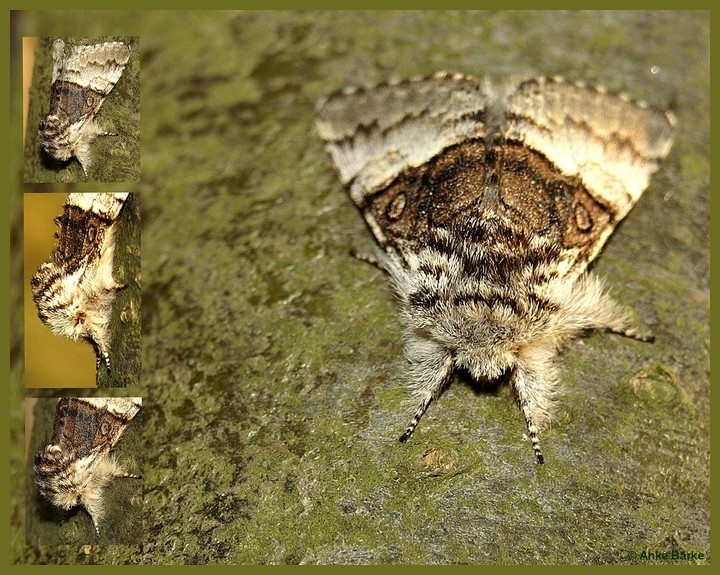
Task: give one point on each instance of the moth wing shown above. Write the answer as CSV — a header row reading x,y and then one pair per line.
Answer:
x,y
124,408
375,134
613,145
84,227
98,66
91,426
58,55
105,205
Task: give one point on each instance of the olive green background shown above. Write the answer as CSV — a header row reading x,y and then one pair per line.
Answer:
x,y
272,360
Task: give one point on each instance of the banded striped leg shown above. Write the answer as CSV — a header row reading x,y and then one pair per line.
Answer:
x,y
416,418
632,333
534,397
533,431
431,369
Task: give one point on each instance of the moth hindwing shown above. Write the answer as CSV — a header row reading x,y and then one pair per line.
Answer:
x,y
75,290
82,78
489,202
77,465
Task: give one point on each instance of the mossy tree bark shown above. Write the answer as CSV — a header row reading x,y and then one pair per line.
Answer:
x,y
125,347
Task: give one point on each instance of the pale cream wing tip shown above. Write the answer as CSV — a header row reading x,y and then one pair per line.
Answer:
x,y
374,133
610,142
104,204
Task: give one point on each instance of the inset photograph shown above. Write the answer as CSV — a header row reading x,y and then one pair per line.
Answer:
x,y
82,290
84,110
84,480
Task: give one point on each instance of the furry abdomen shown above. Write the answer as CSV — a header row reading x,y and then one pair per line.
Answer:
x,y
493,300
79,305
67,481
63,140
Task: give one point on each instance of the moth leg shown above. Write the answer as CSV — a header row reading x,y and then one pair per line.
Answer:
x,y
84,159
632,333
368,259
101,355
614,318
82,149
431,369
97,527
130,476
533,431
416,418
96,509
534,398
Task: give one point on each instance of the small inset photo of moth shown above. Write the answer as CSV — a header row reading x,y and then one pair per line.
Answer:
x,y
82,290
84,478
83,110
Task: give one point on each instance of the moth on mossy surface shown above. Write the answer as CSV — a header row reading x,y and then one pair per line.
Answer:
x,y
75,290
78,464
82,78
489,202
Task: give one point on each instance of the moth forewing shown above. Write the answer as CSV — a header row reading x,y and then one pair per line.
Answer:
x,y
610,143
370,149
489,203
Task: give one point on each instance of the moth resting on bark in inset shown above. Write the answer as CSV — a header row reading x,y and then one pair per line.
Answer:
x,y
489,202
77,465
81,80
75,290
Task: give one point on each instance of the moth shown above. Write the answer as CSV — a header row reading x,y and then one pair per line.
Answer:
x,y
78,464
81,80
75,290
488,203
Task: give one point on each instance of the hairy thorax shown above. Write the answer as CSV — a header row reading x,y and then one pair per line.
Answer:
x,y
489,303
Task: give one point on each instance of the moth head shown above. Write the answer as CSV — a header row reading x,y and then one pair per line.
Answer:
x,y
486,366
